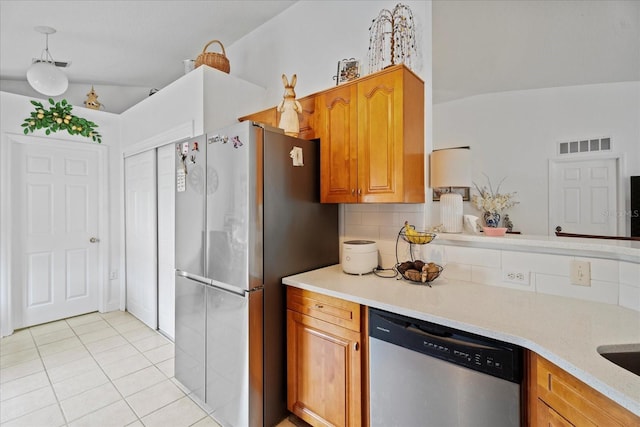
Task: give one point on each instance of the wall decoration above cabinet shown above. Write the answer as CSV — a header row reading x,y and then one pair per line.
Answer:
x,y
58,118
348,69
392,39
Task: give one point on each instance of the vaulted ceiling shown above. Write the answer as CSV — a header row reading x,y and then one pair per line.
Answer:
x,y
479,46
123,43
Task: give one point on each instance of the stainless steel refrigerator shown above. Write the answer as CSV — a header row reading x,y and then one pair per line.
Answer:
x,y
248,213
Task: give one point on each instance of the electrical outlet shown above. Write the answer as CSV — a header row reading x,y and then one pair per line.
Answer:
x,y
580,273
113,274
517,277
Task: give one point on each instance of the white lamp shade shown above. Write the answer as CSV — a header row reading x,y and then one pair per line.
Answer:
x,y
47,79
451,167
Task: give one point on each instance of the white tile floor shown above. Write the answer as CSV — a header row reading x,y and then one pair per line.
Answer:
x,y
93,370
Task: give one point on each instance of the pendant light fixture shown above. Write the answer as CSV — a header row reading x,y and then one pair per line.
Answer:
x,y
43,75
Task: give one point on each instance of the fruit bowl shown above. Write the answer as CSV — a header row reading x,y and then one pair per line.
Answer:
x,y
418,271
410,235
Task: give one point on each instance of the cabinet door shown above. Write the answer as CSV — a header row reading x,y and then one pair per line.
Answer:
x,y
338,145
380,137
572,399
323,372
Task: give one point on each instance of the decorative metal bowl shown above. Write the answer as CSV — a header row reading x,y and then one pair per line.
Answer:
x,y
409,271
417,237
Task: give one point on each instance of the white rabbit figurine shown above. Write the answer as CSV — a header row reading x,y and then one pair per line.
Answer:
x,y
289,108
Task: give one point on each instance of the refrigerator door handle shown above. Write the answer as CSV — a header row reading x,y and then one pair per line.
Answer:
x,y
226,287
191,276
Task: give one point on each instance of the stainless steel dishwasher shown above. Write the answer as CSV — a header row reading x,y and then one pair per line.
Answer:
x,y
424,374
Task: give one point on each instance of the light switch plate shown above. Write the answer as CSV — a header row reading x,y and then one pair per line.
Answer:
x,y
580,273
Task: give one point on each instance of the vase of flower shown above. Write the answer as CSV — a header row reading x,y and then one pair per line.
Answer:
x,y
492,203
491,219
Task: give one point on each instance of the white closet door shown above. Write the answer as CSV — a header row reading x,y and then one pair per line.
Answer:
x,y
141,237
166,239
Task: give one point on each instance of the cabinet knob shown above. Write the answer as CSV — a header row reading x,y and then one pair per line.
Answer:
x,y
355,346
359,191
353,191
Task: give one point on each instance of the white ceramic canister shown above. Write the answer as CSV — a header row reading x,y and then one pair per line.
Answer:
x,y
359,256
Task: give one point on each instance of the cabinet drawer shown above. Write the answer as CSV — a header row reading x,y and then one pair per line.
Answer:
x,y
333,310
576,401
550,418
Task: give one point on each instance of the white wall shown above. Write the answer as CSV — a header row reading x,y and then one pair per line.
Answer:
x,y
514,134
177,105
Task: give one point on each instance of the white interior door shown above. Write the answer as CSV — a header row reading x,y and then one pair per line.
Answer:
x,y
166,239
584,196
55,241
141,237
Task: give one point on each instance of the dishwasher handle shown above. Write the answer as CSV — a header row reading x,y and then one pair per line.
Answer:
x,y
431,330
446,337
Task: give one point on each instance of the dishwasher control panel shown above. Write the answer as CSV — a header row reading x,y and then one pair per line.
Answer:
x,y
483,354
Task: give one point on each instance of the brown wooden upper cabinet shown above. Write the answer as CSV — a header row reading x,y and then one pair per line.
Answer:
x,y
371,134
372,139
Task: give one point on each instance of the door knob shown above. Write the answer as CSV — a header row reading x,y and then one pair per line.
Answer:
x,y
94,240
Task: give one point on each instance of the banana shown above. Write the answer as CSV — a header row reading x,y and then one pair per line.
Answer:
x,y
415,237
410,233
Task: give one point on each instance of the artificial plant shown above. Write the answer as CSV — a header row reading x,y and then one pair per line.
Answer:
x,y
58,118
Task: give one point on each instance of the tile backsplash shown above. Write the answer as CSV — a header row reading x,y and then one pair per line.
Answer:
x,y
380,221
612,282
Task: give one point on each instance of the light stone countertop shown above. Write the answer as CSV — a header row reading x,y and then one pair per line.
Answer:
x,y
565,331
621,250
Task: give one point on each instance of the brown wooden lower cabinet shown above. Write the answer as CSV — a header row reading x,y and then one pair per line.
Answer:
x,y
327,373
324,359
557,398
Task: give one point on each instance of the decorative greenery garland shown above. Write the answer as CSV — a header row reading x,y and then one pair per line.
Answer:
x,y
59,118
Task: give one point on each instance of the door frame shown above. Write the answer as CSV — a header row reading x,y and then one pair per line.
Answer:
x,y
622,190
7,309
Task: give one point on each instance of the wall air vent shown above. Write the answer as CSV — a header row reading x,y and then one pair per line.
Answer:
x,y
584,146
61,64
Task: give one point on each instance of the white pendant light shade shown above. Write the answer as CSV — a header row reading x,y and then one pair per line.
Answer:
x,y
47,79
43,75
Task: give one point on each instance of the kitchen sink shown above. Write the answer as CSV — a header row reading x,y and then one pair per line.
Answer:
x,y
626,356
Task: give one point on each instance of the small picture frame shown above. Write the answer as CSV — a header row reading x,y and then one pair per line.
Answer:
x,y
463,191
348,69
